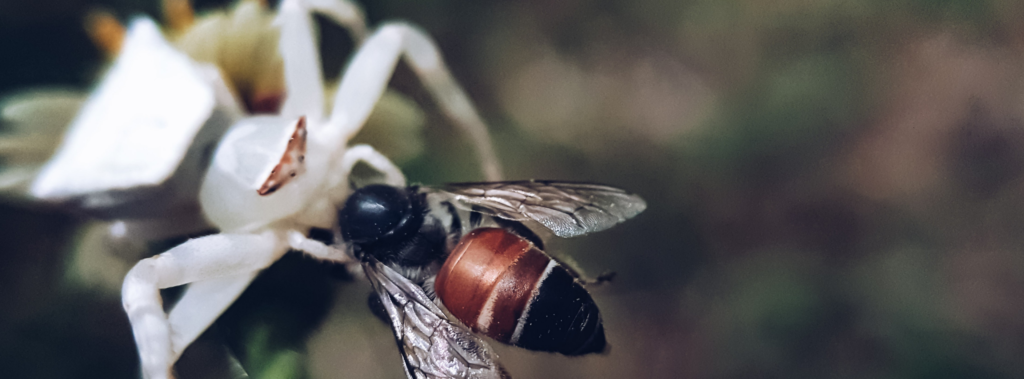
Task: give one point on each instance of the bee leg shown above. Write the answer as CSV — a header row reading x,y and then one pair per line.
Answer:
x,y
367,75
573,270
219,268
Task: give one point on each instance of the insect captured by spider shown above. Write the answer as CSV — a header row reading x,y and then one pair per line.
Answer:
x,y
468,246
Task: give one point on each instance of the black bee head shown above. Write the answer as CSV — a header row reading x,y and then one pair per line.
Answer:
x,y
377,212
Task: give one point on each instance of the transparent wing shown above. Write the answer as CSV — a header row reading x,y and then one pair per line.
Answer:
x,y
568,209
432,346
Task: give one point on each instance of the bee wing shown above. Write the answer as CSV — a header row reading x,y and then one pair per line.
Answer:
x,y
431,346
568,209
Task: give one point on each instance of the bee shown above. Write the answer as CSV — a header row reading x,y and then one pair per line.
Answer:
x,y
469,247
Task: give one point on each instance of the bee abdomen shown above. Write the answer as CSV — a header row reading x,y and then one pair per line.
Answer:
x,y
501,285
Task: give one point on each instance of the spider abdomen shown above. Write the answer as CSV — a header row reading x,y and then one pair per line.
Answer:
x,y
501,285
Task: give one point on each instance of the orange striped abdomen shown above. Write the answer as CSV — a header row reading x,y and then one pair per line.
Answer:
x,y
501,285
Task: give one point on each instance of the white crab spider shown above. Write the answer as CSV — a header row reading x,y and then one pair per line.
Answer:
x,y
299,163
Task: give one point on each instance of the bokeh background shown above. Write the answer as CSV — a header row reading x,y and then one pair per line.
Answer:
x,y
835,189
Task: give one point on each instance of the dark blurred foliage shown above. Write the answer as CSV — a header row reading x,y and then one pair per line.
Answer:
x,y
834,190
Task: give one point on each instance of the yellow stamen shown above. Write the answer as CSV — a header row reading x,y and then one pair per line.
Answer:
x,y
178,14
105,31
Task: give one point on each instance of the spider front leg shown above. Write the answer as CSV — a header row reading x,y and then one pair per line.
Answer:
x,y
338,181
367,75
220,268
367,154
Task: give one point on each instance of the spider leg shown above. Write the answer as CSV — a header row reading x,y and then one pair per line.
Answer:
x,y
205,300
303,78
200,306
222,263
298,47
366,154
318,249
368,73
108,249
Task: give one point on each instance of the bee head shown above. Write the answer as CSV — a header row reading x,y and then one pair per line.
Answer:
x,y
378,211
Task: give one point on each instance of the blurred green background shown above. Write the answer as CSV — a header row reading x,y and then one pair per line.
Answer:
x,y
834,190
